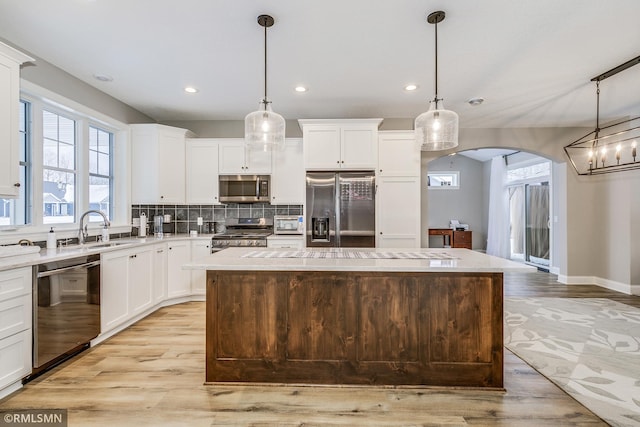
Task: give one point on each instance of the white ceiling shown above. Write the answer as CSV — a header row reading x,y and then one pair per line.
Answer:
x,y
532,60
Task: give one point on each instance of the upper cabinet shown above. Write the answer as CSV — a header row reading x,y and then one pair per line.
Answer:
x,y
340,144
202,171
158,164
398,154
10,61
288,177
235,158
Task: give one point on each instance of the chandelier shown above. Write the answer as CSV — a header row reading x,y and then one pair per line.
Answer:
x,y
612,148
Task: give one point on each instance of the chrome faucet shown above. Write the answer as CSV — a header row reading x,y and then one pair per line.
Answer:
x,y
82,232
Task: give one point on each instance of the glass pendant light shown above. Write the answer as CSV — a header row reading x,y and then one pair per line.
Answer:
x,y
264,129
437,129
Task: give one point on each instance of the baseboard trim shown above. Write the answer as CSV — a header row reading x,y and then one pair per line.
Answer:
x,y
612,285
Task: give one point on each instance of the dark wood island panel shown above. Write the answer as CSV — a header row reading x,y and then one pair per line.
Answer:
x,y
370,328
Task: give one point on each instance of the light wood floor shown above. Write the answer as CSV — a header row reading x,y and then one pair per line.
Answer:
x,y
152,375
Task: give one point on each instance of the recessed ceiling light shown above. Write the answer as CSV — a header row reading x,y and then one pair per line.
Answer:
x,y
103,77
475,101
410,87
190,89
301,89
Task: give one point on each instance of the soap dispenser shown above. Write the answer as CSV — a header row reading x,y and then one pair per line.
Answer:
x,y
51,239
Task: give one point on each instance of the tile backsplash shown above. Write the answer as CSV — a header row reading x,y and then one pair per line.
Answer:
x,y
184,218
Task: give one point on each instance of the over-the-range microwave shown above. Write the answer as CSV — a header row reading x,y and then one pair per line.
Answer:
x,y
244,188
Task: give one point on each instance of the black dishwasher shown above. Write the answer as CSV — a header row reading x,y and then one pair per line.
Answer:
x,y
66,309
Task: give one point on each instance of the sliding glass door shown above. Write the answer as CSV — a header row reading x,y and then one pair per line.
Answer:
x,y
529,223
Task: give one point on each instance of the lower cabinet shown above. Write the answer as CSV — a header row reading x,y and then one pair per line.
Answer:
x,y
159,273
398,212
179,280
15,327
127,285
199,249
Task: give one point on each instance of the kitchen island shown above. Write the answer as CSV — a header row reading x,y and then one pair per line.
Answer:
x,y
355,316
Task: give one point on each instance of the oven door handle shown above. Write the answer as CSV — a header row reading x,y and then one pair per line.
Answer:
x,y
73,267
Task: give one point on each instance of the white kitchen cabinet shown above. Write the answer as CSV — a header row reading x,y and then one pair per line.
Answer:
x,y
398,154
202,171
199,249
126,286
159,273
15,327
340,144
398,191
140,280
114,289
398,212
178,279
10,61
235,158
288,176
158,164
285,242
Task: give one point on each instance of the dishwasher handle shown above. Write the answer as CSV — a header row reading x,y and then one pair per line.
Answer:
x,y
73,267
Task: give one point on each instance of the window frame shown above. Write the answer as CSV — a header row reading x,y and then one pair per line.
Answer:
x,y
41,98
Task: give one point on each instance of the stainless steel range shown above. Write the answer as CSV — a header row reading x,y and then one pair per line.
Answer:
x,y
241,232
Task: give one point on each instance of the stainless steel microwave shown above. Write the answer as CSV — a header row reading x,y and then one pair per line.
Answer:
x,y
244,188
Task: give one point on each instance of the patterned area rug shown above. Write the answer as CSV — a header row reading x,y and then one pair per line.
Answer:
x,y
589,347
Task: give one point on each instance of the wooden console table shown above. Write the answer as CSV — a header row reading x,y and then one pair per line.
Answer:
x,y
454,239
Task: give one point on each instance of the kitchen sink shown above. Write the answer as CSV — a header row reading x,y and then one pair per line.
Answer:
x,y
99,245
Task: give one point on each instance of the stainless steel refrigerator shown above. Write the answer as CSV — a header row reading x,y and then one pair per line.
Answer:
x,y
340,209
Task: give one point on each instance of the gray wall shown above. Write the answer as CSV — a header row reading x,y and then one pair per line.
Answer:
x,y
59,81
465,204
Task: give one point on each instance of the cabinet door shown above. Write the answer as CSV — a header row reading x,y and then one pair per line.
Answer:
x,y
178,280
199,249
258,162
159,273
171,158
398,154
157,164
231,156
287,178
202,171
359,147
321,147
15,354
114,299
10,60
293,243
398,212
140,280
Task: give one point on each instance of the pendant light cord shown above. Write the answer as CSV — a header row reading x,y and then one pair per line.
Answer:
x,y
597,113
265,67
436,97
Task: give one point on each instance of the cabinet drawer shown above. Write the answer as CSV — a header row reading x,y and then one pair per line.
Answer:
x,y
15,357
15,316
14,283
462,239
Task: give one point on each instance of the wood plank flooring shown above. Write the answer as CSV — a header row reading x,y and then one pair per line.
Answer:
x,y
152,374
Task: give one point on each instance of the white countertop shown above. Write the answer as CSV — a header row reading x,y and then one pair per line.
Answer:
x,y
456,260
72,251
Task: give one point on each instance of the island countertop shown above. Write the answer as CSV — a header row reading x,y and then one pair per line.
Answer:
x,y
356,259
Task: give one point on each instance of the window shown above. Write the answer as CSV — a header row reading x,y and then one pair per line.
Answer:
x,y
528,172
443,180
100,172
16,211
58,168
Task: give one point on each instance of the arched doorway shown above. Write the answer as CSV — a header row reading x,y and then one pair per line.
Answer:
x,y
526,201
